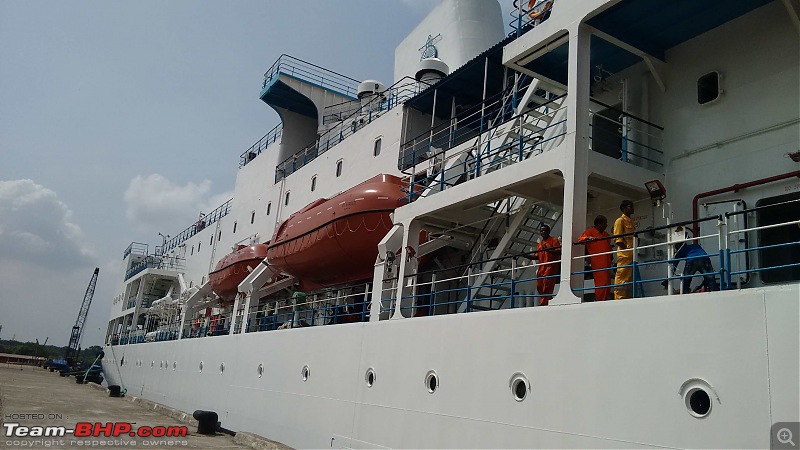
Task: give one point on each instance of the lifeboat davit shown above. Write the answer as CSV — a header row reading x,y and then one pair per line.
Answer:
x,y
233,268
335,241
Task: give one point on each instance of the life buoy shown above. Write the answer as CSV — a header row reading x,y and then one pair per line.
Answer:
x,y
540,13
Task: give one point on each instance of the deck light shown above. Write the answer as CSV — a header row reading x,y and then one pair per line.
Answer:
x,y
656,190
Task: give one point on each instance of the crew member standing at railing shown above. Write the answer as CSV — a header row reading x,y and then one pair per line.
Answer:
x,y
548,254
597,242
624,277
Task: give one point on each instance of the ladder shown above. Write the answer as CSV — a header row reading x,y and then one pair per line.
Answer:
x,y
491,288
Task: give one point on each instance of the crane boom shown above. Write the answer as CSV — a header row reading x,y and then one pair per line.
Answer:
x,y
77,330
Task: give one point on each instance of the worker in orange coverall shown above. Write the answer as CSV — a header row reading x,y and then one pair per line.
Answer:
x,y
548,254
599,246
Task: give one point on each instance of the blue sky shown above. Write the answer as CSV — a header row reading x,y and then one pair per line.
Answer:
x,y
123,119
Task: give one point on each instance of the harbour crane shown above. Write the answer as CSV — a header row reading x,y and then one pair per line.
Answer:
x,y
73,349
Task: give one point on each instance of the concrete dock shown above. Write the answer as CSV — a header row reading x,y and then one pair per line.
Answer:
x,y
35,401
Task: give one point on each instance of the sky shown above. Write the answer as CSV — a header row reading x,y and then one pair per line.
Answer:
x,y
123,119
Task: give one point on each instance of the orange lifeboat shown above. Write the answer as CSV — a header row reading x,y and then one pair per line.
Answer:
x,y
335,241
233,268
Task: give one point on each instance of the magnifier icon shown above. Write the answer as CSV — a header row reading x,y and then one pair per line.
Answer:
x,y
784,436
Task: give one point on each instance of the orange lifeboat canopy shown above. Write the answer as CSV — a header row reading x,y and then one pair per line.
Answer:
x,y
335,241
233,268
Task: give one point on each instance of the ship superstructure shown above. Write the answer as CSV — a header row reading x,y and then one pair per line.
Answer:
x,y
398,304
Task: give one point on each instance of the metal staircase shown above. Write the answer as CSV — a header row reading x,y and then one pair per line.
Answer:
x,y
535,116
493,285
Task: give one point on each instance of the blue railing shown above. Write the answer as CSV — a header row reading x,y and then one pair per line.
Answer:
x,y
173,263
512,281
271,137
198,226
501,139
638,141
311,73
314,309
136,248
358,119
525,18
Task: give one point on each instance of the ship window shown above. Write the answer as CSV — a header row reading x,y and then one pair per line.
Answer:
x,y
781,241
234,227
203,280
253,217
198,246
339,168
708,88
192,253
286,201
313,183
211,241
219,235
376,150
269,207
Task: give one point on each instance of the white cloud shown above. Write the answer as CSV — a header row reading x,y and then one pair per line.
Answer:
x,y
36,227
156,204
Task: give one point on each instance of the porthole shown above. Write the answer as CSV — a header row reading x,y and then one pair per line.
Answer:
x,y
152,364
432,381
520,386
698,402
221,368
369,377
174,365
698,397
260,370
122,361
339,168
313,183
161,364
306,372
201,366
286,199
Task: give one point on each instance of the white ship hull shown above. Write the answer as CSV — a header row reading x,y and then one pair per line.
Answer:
x,y
602,376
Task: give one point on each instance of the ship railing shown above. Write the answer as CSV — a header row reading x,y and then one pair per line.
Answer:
x,y
636,140
326,307
136,248
510,282
780,256
207,326
204,221
311,73
521,16
467,125
439,160
270,138
172,263
645,243
357,119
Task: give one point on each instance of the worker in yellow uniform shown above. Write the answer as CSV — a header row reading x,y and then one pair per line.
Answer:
x,y
624,277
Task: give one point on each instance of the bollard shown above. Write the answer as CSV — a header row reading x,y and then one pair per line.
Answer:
x,y
206,421
114,391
